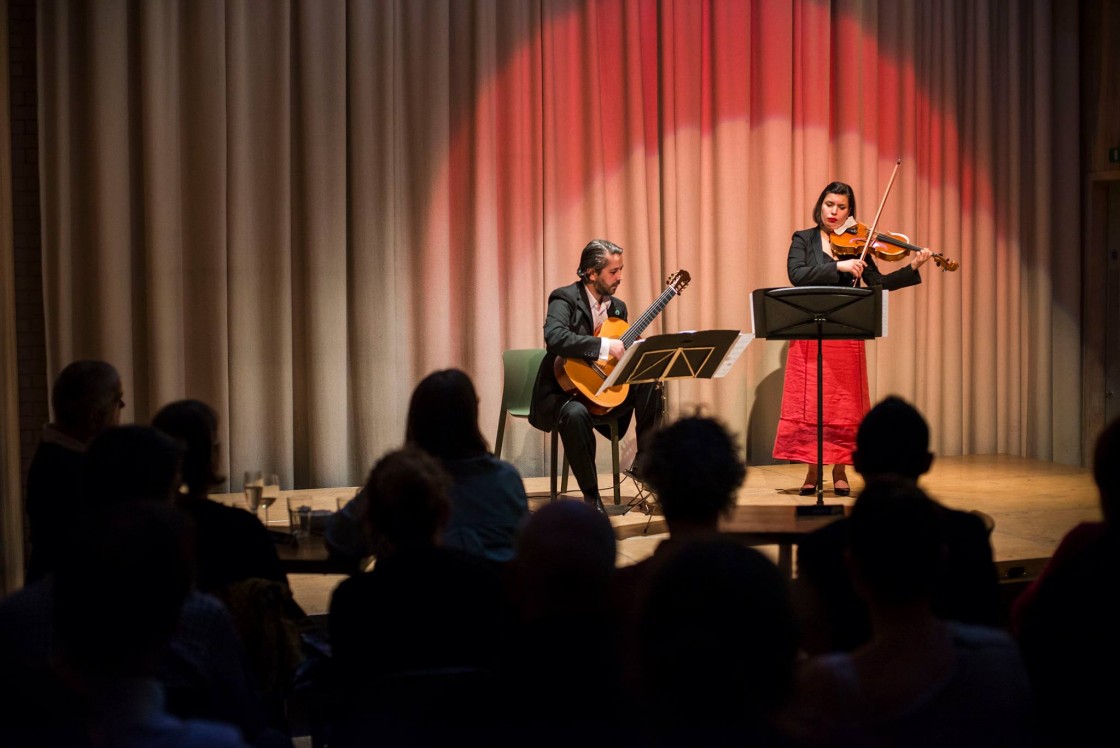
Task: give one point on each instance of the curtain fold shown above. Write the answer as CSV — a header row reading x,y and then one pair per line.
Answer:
x,y
11,504
295,210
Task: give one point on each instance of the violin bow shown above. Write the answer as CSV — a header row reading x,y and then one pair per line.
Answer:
x,y
875,223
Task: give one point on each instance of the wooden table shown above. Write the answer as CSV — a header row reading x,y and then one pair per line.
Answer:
x,y
774,525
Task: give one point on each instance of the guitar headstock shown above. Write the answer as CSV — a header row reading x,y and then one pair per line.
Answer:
x,y
679,280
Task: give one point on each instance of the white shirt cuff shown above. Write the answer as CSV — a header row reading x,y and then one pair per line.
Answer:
x,y
604,349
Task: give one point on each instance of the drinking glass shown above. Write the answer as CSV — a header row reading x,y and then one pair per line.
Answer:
x,y
299,516
270,492
254,489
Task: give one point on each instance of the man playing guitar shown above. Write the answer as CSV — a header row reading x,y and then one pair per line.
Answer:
x,y
575,315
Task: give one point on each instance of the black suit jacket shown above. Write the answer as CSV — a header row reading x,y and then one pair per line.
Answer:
x,y
808,265
568,333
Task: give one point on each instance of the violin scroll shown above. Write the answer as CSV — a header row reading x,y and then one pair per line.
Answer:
x,y
945,263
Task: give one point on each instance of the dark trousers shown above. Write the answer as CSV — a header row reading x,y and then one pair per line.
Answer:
x,y
576,427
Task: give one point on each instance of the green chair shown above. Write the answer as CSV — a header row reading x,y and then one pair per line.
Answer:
x,y
519,367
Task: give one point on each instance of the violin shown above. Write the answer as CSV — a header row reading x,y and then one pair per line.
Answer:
x,y
850,240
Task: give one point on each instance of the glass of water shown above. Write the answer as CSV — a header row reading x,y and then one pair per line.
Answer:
x,y
270,492
254,490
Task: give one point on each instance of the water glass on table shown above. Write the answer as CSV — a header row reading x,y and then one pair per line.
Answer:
x,y
299,516
270,492
254,490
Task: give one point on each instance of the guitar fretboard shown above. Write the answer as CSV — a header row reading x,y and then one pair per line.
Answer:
x,y
641,323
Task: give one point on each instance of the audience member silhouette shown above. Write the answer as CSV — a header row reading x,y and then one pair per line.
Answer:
x,y
718,642
488,501
919,680
232,544
564,657
425,614
116,612
695,468
236,558
128,464
87,398
892,440
1065,621
203,669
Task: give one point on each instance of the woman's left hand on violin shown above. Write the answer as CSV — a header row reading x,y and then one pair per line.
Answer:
x,y
919,258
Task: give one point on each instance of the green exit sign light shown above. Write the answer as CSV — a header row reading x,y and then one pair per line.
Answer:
x,y
1114,155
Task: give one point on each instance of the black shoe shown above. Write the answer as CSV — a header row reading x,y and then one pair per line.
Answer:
x,y
841,491
596,504
807,490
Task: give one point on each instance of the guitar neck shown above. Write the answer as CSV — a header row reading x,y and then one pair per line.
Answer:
x,y
641,323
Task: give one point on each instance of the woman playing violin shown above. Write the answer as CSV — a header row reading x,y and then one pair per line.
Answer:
x,y
813,262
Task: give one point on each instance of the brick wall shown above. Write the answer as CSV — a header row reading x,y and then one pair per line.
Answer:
x,y
31,345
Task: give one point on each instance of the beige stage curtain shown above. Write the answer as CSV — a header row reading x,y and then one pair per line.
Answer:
x,y
11,517
295,210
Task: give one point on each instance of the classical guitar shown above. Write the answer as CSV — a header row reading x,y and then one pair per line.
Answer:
x,y
586,377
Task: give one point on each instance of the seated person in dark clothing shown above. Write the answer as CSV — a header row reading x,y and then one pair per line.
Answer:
x,y
127,464
116,612
718,642
919,680
87,398
1065,621
423,606
565,652
235,558
695,468
203,669
231,544
488,501
893,440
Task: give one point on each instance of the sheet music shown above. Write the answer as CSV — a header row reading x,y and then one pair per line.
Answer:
x,y
734,352
884,295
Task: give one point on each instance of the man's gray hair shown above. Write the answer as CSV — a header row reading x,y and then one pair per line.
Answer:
x,y
595,256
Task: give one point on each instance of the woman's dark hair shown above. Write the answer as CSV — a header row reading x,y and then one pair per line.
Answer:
x,y
195,425
443,417
835,188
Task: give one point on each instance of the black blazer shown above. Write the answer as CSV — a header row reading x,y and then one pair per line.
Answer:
x,y
808,265
568,333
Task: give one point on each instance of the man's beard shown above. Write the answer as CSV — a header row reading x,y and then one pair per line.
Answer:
x,y
602,289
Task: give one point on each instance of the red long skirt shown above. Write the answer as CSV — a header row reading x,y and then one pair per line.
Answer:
x,y
846,400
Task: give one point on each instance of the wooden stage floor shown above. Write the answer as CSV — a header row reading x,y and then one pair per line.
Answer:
x,y
1034,503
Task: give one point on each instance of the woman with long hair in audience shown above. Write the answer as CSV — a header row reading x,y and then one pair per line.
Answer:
x,y
488,501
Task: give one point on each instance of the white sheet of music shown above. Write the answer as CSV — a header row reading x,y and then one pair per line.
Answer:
x,y
734,352
885,293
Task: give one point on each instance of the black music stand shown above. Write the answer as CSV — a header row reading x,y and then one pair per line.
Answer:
x,y
703,354
700,354
818,313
